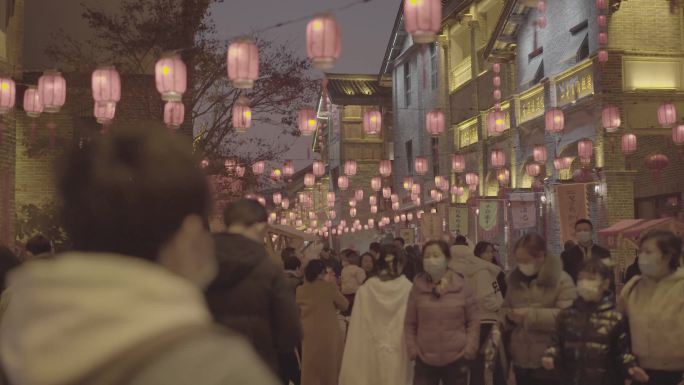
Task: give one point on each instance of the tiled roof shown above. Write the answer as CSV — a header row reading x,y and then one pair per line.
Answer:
x,y
347,89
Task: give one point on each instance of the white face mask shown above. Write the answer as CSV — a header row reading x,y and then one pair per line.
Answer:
x,y
651,265
583,236
528,269
589,289
435,266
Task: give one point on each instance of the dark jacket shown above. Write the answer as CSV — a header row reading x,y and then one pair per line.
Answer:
x,y
591,345
293,281
632,270
250,295
573,258
333,263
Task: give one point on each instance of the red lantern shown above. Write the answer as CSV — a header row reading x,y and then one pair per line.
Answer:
x,y
8,95
667,114
434,123
555,120
533,169
496,94
104,112
602,21
541,6
656,163
562,163
496,122
307,121
503,176
372,200
421,165
286,205
496,68
610,117
258,167
376,183
498,158
496,81
372,122
472,179
32,103
352,202
585,148
395,207
385,168
171,77
374,209
415,190
629,144
387,192
330,197
243,63
678,135
174,114
52,89
458,164
288,168
603,38
539,153
352,212
318,168
277,198
602,56
358,194
602,4
240,171
423,19
343,182
323,41
242,115
457,190
433,194
106,85
309,180
350,168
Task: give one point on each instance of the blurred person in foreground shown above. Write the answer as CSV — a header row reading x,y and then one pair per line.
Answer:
x,y
38,247
126,305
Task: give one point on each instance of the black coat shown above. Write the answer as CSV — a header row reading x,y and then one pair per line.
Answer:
x,y
591,344
632,270
573,258
251,296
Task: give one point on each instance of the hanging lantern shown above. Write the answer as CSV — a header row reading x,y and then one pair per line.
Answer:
x,y
372,122
352,212
678,135
603,38
261,200
409,216
533,169
602,21
496,68
438,180
8,95
343,182
395,207
372,200
562,163
277,198
171,77
555,120
496,81
376,183
358,194
52,89
288,168
394,198
403,217
541,6
258,167
408,183
385,168
332,214
240,171
242,115
374,209
318,168
386,192
230,165
352,202
610,116
242,61
496,94
421,165
174,114
496,122
330,197
309,179
472,179
498,158
667,114
307,121
602,56
423,19
104,112
457,190
458,163
539,153
106,85
656,163
283,221
371,222
503,176
585,149
602,4
415,189
434,123
323,41
32,103
433,194
350,168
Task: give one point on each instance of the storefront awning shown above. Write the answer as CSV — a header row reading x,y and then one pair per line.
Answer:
x,y
631,230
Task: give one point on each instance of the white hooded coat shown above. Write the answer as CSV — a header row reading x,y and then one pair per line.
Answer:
x,y
375,351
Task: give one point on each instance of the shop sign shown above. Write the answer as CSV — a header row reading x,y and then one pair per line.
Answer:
x,y
458,219
572,205
575,85
531,104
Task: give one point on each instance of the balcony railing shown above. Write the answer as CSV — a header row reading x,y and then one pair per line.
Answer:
x,y
460,74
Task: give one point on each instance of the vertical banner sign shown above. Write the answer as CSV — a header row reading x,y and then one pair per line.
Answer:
x,y
524,215
407,234
488,218
572,205
431,227
458,220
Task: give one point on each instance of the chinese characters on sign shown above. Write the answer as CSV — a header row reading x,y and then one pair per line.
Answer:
x,y
488,219
524,215
572,205
575,86
458,220
467,134
531,105
431,226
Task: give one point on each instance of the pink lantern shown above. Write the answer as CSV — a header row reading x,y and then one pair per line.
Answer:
x,y
585,148
352,212
371,222
323,41
358,194
386,192
330,197
277,198
350,168
423,19
541,6
678,135
496,81
174,114
628,144
667,114
352,202
32,103
106,85
602,4
309,180
610,117
230,165
8,95
498,158
603,38
539,153
242,61
421,165
533,169
372,200
52,89
555,121
332,214
394,198
343,182
283,221
288,168
503,176
372,122
434,123
542,22
562,163
307,121
457,190
602,21
656,163
458,163
240,171
376,183
318,168
242,115
496,68
472,179
409,216
261,200
433,194
171,77
385,168
258,167
395,206
104,112
415,190
496,94
408,183
602,56
374,209
496,122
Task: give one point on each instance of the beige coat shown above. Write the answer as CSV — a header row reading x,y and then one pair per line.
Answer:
x,y
656,320
544,296
323,342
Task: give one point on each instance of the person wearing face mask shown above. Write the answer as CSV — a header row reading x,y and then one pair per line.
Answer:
x,y
126,305
442,321
591,345
654,304
250,294
538,289
585,249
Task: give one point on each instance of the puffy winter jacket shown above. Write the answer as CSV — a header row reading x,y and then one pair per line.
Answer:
x,y
481,276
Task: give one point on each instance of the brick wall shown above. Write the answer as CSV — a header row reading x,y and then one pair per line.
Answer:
x,y
646,26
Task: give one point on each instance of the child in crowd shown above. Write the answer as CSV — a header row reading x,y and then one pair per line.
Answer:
x,y
353,276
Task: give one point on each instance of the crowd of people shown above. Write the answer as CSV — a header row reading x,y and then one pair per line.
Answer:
x,y
149,296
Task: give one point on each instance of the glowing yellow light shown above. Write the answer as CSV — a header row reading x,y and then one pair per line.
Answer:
x,y
166,70
499,121
318,25
413,2
557,119
277,172
373,119
5,86
311,122
248,114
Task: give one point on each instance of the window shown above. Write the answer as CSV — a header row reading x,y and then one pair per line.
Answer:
x,y
434,66
434,142
409,157
407,84
539,75
583,51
